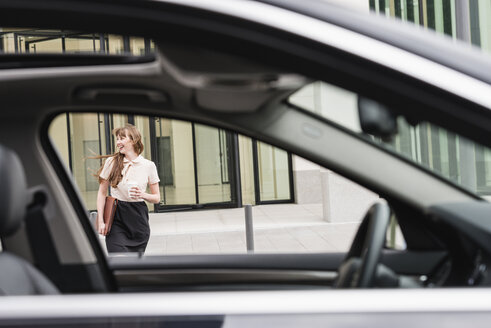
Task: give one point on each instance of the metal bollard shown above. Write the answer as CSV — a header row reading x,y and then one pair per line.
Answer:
x,y
92,218
249,228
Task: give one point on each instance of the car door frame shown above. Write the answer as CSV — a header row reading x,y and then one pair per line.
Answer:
x,y
311,53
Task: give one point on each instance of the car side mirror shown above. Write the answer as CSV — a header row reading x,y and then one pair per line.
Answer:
x,y
376,119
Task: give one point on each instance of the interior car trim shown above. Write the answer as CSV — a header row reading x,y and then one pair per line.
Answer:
x,y
314,261
407,262
80,252
138,69
413,262
9,61
220,276
470,218
102,278
116,94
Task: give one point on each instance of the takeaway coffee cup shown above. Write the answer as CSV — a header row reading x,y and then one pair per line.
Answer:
x,y
131,184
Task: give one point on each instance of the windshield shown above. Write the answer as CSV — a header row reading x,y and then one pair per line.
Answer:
x,y
445,153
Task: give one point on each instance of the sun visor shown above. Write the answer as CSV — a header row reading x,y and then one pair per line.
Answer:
x,y
223,82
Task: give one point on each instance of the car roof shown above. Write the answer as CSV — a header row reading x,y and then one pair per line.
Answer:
x,y
427,43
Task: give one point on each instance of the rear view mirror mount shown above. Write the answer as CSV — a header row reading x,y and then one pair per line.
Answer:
x,y
376,119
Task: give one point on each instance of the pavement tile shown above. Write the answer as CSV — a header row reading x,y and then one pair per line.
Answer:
x,y
301,231
339,242
163,228
316,209
196,214
199,225
179,251
204,241
232,212
314,243
234,250
280,234
263,219
261,232
258,210
303,219
264,247
178,242
162,216
290,246
156,244
346,227
230,235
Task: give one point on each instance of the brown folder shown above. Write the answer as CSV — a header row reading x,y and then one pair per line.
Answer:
x,y
109,211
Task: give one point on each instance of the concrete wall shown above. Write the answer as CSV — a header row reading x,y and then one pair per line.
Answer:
x,y
342,199
307,181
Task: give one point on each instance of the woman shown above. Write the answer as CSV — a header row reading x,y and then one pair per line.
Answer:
x,y
128,174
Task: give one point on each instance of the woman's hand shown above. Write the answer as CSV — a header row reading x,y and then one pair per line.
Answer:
x,y
153,197
136,193
101,200
101,226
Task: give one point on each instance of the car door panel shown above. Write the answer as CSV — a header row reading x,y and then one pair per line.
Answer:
x,y
265,271
256,271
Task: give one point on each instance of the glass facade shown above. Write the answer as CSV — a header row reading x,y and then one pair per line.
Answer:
x,y
274,168
451,17
247,181
213,161
175,161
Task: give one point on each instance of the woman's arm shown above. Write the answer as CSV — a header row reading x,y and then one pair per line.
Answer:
x,y
152,197
101,200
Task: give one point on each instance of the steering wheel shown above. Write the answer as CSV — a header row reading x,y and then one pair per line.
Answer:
x,y
359,267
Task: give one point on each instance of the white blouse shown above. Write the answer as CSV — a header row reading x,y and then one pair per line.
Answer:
x,y
140,171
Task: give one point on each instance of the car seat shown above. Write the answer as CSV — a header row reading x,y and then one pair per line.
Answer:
x,y
17,276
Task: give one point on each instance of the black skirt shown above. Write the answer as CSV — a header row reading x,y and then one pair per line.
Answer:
x,y
130,230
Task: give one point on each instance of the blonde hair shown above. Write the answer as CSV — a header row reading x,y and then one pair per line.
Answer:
x,y
115,176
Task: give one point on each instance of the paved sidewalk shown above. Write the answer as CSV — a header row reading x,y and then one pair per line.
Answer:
x,y
277,228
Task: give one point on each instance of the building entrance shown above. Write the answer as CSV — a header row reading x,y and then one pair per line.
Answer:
x,y
195,165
